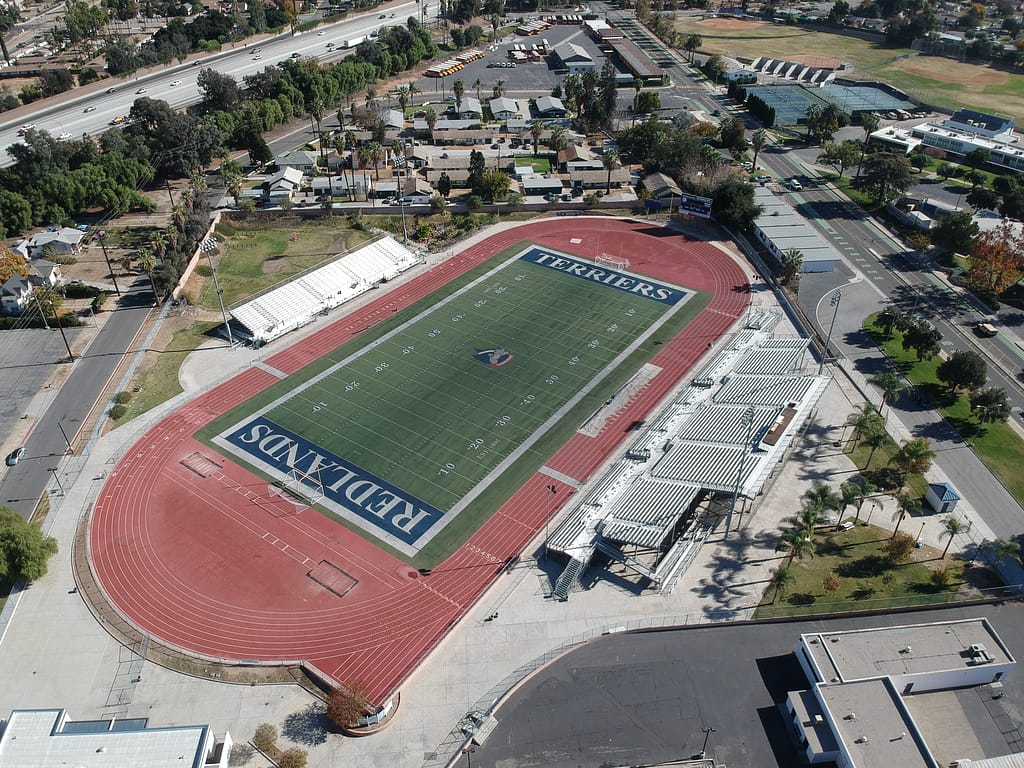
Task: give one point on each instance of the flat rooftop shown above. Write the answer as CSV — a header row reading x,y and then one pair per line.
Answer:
x,y
870,720
922,648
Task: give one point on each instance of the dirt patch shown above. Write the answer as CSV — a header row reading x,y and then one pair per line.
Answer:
x,y
822,62
732,24
947,71
274,264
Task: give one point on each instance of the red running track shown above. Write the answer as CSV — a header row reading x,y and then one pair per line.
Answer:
x,y
217,564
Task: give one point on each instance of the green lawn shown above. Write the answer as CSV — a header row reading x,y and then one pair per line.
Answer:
x,y
415,403
995,444
866,578
257,258
954,86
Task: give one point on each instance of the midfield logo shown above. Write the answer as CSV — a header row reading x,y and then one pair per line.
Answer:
x,y
493,357
360,492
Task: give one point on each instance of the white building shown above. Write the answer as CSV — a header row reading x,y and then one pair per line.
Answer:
x,y
48,737
65,240
574,58
504,108
780,229
854,713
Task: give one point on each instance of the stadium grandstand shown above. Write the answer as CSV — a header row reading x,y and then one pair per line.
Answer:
x,y
718,440
288,306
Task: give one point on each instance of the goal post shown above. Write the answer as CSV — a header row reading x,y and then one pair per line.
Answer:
x,y
615,262
305,485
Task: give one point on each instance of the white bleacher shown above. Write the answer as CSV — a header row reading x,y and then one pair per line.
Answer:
x,y
300,301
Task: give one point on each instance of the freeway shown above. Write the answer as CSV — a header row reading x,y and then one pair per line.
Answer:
x,y
23,484
91,110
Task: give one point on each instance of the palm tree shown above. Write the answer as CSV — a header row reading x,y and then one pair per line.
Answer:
x,y
147,263
375,154
536,129
806,520
875,438
862,420
610,161
798,544
231,174
478,85
907,505
890,383
692,44
865,488
849,493
495,23
431,117
559,139
758,140
459,89
178,215
158,242
499,89
820,496
404,93
998,550
951,526
9,16
792,263
913,456
781,580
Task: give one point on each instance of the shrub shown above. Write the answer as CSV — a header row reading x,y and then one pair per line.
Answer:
x,y
265,737
63,258
118,412
899,547
204,270
474,203
80,291
292,758
99,301
831,582
941,577
123,397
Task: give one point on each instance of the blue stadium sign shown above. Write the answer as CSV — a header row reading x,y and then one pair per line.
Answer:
x,y
695,205
587,270
353,488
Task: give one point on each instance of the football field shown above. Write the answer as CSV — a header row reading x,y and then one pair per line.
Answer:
x,y
403,434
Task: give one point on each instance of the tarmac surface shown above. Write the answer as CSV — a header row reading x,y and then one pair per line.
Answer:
x,y
53,653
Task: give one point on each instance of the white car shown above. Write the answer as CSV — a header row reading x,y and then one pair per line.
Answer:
x,y
15,456
64,137
142,90
89,109
175,82
795,185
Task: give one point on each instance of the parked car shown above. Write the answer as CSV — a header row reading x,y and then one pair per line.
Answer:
x,y
762,179
15,456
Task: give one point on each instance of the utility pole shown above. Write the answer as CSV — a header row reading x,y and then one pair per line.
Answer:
x,y
106,256
65,434
552,490
837,296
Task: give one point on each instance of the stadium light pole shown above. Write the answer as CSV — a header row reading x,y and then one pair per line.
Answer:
x,y
748,421
707,734
208,246
552,490
400,164
837,296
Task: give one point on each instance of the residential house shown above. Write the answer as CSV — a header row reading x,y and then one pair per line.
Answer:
x,y
593,179
65,240
282,185
342,185
541,185
504,108
303,159
549,106
566,155
394,120
469,108
417,191
16,292
661,186
47,272
573,57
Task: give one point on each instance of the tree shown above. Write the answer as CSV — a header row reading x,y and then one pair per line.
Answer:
x,y
890,383
430,116
459,89
792,265
24,550
257,17
840,156
758,141
220,91
951,526
849,493
899,547
831,582
147,263
798,543
875,438
733,135
997,260
991,404
265,737
807,519
692,45
11,264
647,102
346,705
962,370
865,489
536,131
956,232
781,580
822,496
495,185
444,184
477,168
55,81
559,139
999,549
886,175
610,161
862,420
923,338
732,203
913,456
9,16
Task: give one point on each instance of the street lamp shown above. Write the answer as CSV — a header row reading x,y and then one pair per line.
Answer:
x,y
748,421
208,246
707,734
837,296
467,751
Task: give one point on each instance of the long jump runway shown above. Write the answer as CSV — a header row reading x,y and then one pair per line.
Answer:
x,y
216,563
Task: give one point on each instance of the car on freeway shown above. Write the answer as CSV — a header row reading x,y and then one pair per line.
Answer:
x,y
296,55
716,113
15,456
26,128
89,109
175,83
64,137
321,33
382,16
142,90
111,90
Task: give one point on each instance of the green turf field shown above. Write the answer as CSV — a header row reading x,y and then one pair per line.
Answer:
x,y
407,430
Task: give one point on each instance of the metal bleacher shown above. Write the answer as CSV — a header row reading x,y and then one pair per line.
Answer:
x,y
291,305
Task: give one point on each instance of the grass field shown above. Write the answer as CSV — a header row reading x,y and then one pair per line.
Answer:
x,y
416,406
930,79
